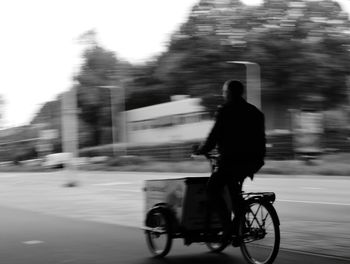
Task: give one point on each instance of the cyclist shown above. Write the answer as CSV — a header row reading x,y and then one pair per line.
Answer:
x,y
239,135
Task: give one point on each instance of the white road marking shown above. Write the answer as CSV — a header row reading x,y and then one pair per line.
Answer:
x,y
124,190
312,188
313,202
112,183
32,242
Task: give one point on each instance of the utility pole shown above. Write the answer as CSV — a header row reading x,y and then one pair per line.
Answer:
x,y
70,133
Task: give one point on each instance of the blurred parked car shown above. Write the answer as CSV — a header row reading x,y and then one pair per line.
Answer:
x,y
57,160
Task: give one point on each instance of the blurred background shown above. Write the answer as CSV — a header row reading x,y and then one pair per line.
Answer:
x,y
120,90
155,109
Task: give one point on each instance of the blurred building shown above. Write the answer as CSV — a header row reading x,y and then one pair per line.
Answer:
x,y
181,119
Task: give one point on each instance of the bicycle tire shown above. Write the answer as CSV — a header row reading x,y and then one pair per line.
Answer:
x,y
254,234
158,218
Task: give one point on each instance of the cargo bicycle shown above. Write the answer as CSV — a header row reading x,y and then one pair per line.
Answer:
x,y
178,208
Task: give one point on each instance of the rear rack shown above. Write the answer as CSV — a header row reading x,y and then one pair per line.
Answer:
x,y
260,196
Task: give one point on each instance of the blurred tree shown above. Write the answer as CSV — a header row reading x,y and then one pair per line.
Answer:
x,y
302,46
100,68
49,117
196,62
144,88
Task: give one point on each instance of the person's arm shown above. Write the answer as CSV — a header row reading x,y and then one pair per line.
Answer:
x,y
212,138
261,137
260,146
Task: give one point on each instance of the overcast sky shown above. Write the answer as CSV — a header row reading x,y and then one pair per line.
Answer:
x,y
39,52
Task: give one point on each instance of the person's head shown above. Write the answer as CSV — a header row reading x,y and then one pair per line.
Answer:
x,y
232,90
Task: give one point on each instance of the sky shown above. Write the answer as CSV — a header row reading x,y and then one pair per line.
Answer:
x,y
40,53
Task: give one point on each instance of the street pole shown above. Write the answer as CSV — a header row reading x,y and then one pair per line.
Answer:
x,y
113,122
70,132
253,81
124,120
122,117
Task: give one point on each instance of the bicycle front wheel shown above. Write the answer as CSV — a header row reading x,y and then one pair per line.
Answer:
x,y
260,233
158,236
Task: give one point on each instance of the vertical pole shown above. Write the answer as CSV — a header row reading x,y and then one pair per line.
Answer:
x,y
124,119
121,119
70,129
113,121
253,82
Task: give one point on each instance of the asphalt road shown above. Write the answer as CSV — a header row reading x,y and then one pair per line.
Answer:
x,y
35,238
314,211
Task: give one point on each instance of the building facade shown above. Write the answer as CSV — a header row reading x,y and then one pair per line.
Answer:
x,y
182,119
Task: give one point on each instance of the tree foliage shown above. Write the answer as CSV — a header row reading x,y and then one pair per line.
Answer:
x,y
302,47
100,69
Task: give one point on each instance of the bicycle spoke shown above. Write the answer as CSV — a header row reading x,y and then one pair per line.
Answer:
x,y
266,226
255,214
261,242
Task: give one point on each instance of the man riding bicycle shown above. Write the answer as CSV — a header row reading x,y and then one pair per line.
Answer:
x,y
239,135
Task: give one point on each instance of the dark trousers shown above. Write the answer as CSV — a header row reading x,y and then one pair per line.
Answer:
x,y
215,193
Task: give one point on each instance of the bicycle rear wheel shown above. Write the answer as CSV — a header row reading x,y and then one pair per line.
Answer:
x,y
260,233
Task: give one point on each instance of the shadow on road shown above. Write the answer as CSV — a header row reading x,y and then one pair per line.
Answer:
x,y
205,258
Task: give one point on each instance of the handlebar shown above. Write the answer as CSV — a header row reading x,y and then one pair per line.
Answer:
x,y
211,157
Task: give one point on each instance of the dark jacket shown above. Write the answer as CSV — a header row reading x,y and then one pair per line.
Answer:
x,y
239,134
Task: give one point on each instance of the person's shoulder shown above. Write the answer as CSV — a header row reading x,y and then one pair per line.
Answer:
x,y
253,109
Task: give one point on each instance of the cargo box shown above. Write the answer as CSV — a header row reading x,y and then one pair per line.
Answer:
x,y
186,197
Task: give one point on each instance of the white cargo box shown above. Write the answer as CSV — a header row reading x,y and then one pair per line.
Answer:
x,y
186,197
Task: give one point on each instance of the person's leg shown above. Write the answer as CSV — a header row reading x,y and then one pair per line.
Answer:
x,y
215,191
235,190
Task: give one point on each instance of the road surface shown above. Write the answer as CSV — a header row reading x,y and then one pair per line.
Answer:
x,y
35,238
314,211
